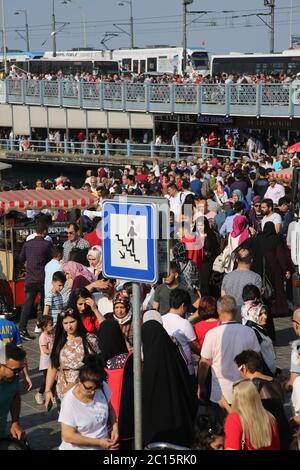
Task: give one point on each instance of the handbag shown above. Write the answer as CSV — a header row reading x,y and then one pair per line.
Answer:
x,y
268,292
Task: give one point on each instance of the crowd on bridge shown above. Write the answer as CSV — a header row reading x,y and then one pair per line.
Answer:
x,y
210,375
160,77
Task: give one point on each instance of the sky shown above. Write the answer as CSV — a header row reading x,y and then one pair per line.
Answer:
x,y
155,22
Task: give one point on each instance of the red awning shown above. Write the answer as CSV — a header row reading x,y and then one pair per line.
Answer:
x,y
285,175
294,148
52,199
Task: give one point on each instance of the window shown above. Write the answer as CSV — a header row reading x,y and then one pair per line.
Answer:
x,y
152,64
135,68
142,66
126,65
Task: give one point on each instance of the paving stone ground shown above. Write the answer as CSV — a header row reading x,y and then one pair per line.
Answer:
x,y
42,428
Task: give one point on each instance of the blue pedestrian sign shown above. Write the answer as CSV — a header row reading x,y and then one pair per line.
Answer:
x,y
129,234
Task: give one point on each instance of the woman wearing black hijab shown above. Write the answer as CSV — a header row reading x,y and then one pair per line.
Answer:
x,y
118,363
111,340
169,405
211,251
278,266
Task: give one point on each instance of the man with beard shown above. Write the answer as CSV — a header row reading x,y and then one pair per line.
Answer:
x,y
12,363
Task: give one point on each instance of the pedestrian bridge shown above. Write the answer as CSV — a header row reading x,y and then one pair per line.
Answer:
x,y
260,100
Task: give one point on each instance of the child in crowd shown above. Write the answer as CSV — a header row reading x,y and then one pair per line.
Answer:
x,y
54,299
46,340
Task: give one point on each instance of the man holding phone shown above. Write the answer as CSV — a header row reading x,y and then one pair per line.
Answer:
x,y
12,363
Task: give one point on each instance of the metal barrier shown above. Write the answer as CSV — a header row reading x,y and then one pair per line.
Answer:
x,y
191,152
280,100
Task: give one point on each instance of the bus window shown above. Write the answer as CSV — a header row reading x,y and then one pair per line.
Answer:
x,y
199,60
152,64
135,67
106,67
126,65
142,66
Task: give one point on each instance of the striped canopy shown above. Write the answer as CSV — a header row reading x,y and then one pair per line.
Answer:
x,y
52,199
285,175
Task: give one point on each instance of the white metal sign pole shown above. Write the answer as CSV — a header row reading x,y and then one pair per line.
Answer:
x,y
137,366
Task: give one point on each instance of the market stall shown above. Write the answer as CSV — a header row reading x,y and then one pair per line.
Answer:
x,y
15,229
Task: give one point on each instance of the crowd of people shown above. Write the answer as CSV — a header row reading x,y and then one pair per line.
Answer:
x,y
210,375
162,78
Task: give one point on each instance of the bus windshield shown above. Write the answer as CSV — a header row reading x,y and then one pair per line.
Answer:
x,y
199,60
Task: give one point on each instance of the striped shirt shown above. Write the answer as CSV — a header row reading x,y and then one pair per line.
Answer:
x,y
68,246
54,301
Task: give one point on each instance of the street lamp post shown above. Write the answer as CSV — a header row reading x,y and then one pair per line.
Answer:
x,y
271,5
4,40
291,25
185,3
17,12
121,4
53,33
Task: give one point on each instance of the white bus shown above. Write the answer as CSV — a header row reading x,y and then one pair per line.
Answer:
x,y
254,64
155,59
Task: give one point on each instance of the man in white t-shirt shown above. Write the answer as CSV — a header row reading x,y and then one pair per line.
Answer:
x,y
221,345
275,191
179,328
267,209
176,200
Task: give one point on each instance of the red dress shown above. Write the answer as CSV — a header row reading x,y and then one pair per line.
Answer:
x,y
234,433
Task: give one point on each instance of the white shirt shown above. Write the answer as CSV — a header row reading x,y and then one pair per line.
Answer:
x,y
176,204
296,396
275,218
89,419
104,305
52,267
275,193
220,346
183,331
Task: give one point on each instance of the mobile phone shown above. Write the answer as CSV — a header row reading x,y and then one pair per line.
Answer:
x,y
49,406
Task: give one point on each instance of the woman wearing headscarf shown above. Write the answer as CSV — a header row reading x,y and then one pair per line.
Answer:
x,y
169,405
122,313
210,252
237,195
94,258
255,215
78,274
152,315
118,363
237,236
278,266
239,231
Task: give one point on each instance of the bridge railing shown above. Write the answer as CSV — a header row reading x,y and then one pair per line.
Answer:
x,y
26,146
223,99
